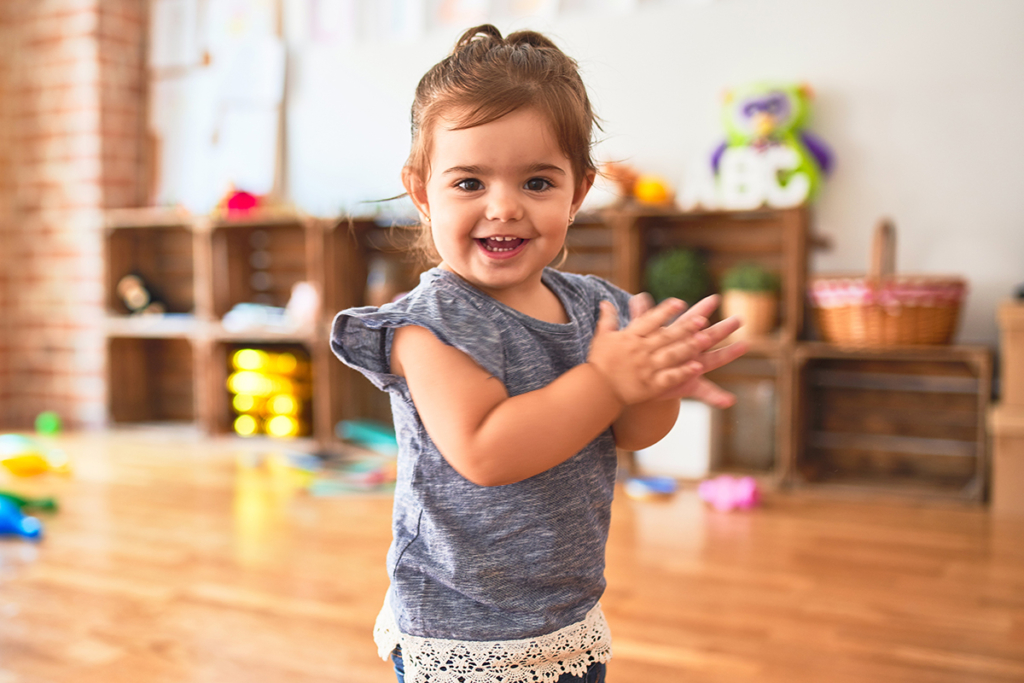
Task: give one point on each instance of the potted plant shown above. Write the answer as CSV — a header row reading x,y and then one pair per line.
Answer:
x,y
681,273
751,292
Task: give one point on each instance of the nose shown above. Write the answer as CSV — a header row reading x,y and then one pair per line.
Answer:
x,y
503,204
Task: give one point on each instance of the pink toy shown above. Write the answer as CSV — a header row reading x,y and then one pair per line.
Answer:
x,y
730,493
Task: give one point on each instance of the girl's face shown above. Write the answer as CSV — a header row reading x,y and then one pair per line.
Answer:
x,y
499,198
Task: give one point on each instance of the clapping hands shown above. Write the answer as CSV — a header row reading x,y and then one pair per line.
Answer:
x,y
665,351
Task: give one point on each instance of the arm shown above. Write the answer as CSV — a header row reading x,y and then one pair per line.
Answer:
x,y
493,439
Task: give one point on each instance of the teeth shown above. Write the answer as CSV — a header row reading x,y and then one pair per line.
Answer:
x,y
492,242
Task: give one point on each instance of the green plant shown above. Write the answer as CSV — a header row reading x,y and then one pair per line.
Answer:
x,y
750,277
680,273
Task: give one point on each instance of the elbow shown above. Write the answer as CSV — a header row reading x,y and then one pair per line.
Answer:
x,y
637,439
636,442
476,472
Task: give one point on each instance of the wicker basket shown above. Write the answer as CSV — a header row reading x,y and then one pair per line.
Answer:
x,y
884,309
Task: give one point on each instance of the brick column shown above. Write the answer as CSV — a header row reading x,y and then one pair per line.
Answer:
x,y
69,137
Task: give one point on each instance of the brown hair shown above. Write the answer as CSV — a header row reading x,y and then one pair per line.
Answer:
x,y
486,77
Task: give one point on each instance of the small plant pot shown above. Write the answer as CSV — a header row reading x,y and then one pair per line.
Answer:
x,y
758,311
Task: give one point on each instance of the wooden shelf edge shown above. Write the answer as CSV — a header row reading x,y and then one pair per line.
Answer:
x,y
147,217
818,349
265,335
152,327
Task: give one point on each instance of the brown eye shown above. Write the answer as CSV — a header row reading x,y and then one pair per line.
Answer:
x,y
537,184
470,185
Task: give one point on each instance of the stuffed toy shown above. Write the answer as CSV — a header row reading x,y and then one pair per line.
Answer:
x,y
768,158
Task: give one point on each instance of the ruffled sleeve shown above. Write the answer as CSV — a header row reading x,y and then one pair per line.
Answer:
x,y
361,337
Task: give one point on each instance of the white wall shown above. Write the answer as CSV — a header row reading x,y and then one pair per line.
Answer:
x,y
921,100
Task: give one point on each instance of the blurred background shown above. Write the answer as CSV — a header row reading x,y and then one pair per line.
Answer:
x,y
107,104
190,190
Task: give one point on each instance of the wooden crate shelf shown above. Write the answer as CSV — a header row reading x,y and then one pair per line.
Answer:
x,y
151,379
906,419
174,367
776,239
809,413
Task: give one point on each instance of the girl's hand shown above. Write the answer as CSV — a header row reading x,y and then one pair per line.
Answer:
x,y
698,387
653,355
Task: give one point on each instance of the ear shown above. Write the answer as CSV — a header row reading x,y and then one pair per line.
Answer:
x,y
417,190
581,190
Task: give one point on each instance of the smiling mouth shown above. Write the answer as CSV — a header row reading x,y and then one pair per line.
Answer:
x,y
501,244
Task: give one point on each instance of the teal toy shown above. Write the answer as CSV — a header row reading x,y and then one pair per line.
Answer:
x,y
769,119
370,434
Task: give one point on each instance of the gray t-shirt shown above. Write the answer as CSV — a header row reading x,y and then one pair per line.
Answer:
x,y
469,562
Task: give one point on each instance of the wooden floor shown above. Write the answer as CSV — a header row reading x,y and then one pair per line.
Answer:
x,y
165,565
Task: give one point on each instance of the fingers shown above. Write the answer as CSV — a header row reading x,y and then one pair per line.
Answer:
x,y
719,331
640,304
705,307
712,360
608,317
657,317
673,377
710,393
686,347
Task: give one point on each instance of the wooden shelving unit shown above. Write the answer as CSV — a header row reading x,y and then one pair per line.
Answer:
x,y
174,367
748,437
809,413
910,420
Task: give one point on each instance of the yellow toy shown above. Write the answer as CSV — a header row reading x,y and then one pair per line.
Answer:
x,y
24,457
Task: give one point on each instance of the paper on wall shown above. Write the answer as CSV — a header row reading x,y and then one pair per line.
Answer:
x,y
173,34
252,72
246,148
184,120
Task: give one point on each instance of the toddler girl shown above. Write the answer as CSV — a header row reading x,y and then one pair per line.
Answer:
x,y
511,383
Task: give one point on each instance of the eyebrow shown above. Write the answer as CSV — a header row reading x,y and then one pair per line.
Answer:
x,y
484,170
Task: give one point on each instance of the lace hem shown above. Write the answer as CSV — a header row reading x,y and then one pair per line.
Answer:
x,y
570,650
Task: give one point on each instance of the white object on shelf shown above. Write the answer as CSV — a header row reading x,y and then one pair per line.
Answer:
x,y
685,452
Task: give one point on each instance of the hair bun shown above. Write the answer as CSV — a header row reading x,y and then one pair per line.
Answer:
x,y
531,38
481,32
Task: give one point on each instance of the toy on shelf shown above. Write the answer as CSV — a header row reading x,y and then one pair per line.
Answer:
x,y
138,296
725,492
768,158
644,188
622,176
239,204
270,392
14,522
24,457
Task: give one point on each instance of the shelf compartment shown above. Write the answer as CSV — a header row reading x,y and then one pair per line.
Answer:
x,y
257,263
910,420
746,436
223,388
161,255
151,380
778,240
